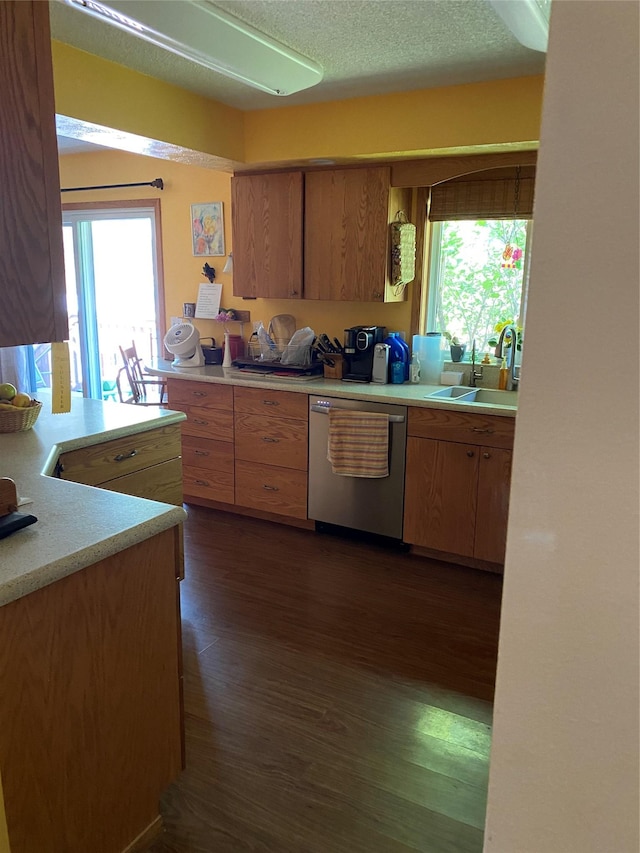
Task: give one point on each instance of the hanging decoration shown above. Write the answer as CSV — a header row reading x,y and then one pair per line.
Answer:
x,y
403,252
512,255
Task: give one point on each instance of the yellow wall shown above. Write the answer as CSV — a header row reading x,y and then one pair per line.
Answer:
x,y
185,185
100,92
497,114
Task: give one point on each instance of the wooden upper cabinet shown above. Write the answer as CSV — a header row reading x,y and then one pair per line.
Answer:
x,y
31,255
267,213
345,234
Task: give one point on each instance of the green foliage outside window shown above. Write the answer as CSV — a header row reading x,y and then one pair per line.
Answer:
x,y
474,293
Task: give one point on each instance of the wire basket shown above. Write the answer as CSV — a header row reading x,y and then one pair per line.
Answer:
x,y
17,420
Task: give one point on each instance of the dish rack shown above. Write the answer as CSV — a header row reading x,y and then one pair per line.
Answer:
x,y
255,352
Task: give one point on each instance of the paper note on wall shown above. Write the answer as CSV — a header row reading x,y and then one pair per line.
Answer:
x,y
208,304
60,378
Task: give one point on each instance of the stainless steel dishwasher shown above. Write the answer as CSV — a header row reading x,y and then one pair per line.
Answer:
x,y
372,505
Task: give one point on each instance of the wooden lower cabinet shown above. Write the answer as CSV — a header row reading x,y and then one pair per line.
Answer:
x,y
456,491
91,708
271,451
207,439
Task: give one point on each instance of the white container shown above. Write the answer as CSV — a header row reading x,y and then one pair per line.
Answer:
x,y
431,353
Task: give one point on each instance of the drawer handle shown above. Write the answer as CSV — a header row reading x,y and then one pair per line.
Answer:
x,y
271,488
270,403
200,422
201,452
481,429
122,456
199,393
202,482
271,440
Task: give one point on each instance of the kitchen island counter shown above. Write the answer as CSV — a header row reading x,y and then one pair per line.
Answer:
x,y
406,394
77,525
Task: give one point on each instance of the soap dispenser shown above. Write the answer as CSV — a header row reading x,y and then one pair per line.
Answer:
x,y
504,373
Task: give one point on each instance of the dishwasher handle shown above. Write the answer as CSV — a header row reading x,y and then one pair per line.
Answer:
x,y
324,410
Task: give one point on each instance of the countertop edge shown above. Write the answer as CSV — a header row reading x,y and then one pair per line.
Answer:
x,y
42,576
411,395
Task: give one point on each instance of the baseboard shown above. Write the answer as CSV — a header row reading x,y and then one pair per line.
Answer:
x,y
304,523
146,838
445,557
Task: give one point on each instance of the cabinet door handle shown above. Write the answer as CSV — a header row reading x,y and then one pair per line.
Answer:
x,y
201,452
122,456
486,456
377,295
200,422
270,440
271,488
482,429
293,293
470,453
199,393
202,482
270,403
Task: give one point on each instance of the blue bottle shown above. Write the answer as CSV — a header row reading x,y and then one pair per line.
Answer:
x,y
407,355
397,358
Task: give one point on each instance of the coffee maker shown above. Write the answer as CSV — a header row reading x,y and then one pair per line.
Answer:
x,y
359,343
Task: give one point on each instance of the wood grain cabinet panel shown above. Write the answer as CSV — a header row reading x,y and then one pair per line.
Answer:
x,y
494,480
282,404
161,482
208,423
32,281
212,485
465,427
90,713
457,492
267,216
273,441
110,459
441,495
208,469
282,491
203,395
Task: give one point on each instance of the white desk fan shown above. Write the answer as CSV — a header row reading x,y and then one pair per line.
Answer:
x,y
183,342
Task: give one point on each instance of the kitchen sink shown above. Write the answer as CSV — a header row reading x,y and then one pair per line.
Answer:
x,y
452,391
488,396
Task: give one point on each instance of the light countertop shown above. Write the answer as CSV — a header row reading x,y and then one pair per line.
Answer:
x,y
77,525
405,395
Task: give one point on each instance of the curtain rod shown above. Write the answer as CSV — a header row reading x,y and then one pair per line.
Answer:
x,y
159,183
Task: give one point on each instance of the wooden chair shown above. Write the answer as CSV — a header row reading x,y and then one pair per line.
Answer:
x,y
138,381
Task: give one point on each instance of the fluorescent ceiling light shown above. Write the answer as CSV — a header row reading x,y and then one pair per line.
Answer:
x,y
198,31
528,20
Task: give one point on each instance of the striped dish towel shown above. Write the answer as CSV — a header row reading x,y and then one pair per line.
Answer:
x,y
358,443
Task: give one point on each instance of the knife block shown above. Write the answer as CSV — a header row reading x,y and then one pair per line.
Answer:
x,y
334,372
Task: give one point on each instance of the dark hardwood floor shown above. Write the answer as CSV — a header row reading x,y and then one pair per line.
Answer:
x,y
337,695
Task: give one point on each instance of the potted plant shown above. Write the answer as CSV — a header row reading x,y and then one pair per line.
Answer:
x,y
456,348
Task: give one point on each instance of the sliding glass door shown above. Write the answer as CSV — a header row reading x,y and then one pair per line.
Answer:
x,y
114,292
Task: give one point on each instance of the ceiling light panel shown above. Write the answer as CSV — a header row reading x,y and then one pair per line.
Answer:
x,y
200,32
528,20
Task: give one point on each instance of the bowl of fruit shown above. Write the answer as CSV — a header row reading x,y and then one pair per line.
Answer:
x,y
18,411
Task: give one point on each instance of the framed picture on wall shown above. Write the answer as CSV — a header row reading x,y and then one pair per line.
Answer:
x,y
207,228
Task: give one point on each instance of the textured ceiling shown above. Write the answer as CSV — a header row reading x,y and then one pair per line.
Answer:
x,y
364,46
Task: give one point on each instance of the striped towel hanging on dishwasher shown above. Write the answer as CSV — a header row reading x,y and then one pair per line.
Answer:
x,y
358,443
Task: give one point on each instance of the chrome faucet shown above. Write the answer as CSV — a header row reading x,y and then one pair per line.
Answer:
x,y
474,375
512,379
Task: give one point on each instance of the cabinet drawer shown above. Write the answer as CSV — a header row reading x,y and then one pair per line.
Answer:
x,y
272,441
282,404
159,483
271,489
204,395
214,485
208,423
450,425
207,455
110,459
